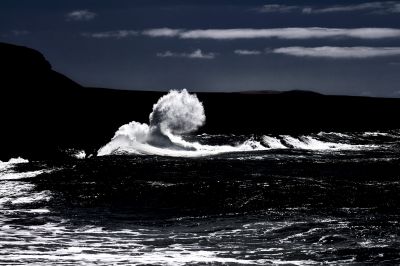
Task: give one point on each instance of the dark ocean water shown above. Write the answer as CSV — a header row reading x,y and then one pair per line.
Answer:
x,y
327,198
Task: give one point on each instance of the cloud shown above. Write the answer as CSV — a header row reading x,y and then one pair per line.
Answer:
x,y
118,34
247,52
275,8
359,52
295,33
162,32
383,7
197,54
80,15
280,33
372,7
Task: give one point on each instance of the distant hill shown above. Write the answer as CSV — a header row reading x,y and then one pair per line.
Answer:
x,y
44,112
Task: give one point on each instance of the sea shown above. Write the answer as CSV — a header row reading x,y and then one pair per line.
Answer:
x,y
162,194
325,198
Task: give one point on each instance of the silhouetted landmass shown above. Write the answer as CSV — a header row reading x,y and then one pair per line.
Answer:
x,y
44,112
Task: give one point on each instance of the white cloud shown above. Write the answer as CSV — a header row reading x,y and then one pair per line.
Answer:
x,y
248,33
247,52
382,7
339,52
167,54
344,8
276,8
372,7
162,32
118,34
197,54
280,33
80,15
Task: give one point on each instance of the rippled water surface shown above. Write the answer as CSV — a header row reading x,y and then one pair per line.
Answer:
x,y
302,200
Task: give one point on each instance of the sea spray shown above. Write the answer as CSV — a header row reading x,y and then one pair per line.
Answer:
x,y
174,114
178,112
10,163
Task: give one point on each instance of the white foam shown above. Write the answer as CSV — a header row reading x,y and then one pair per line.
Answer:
x,y
310,143
11,163
129,137
10,175
273,143
17,192
337,134
14,189
376,134
32,197
80,154
197,151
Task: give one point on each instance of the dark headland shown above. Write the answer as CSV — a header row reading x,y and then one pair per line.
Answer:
x,y
43,112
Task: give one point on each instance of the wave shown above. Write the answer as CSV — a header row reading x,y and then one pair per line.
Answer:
x,y
334,134
174,114
8,172
310,143
179,113
391,134
273,143
11,163
15,190
75,153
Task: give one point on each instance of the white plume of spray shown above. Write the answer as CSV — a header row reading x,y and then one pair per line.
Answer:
x,y
174,114
178,112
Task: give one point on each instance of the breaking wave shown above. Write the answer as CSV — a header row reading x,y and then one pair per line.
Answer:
x,y
174,114
14,187
178,113
11,163
8,172
310,143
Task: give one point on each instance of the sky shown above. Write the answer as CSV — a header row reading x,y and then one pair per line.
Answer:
x,y
331,47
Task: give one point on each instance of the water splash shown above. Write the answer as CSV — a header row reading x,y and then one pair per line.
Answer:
x,y
174,114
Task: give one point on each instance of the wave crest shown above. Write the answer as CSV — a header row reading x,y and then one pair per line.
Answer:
x,y
174,114
179,112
